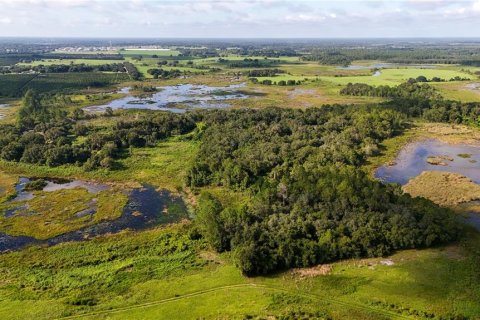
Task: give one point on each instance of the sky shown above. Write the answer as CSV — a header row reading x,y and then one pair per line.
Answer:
x,y
239,18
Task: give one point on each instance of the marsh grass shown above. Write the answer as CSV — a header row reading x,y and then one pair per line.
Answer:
x,y
53,213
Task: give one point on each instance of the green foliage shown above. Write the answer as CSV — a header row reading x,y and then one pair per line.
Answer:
x,y
410,89
45,135
15,85
312,202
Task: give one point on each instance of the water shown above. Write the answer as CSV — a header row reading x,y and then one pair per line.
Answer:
x,y
472,219
146,208
1,107
412,160
168,98
54,185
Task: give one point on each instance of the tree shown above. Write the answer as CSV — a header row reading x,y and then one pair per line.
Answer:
x,y
209,222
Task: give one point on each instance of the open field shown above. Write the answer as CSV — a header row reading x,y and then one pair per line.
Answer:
x,y
463,91
394,77
161,273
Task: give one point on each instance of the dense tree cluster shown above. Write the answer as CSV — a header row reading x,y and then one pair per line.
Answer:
x,y
420,100
165,74
264,72
329,57
312,202
65,68
408,89
44,135
132,70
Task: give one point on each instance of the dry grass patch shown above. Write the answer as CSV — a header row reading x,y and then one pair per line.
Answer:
x,y
320,270
443,188
451,133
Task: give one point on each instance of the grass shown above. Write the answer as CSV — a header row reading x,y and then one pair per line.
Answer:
x,y
163,166
310,94
7,185
444,188
458,91
394,77
52,213
162,273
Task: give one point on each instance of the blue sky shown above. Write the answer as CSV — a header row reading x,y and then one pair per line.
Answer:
x,y
239,18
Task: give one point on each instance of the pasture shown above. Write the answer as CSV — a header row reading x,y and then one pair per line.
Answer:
x,y
162,273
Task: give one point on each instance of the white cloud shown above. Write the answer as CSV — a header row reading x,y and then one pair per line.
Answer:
x,y
5,20
476,6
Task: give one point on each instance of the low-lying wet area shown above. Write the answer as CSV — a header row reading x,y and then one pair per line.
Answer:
x,y
178,98
2,115
144,207
432,155
23,193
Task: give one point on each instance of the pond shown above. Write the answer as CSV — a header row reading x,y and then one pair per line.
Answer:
x,y
2,115
417,157
54,185
170,98
146,207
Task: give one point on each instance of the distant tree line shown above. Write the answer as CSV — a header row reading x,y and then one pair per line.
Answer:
x,y
248,63
66,68
420,55
264,72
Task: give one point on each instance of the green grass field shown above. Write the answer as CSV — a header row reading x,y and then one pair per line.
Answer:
x,y
394,77
162,274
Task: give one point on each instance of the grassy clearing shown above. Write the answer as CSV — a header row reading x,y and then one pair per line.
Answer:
x,y
458,91
310,94
444,188
162,273
394,77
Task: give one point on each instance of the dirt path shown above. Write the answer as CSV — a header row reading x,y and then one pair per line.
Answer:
x,y
341,303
